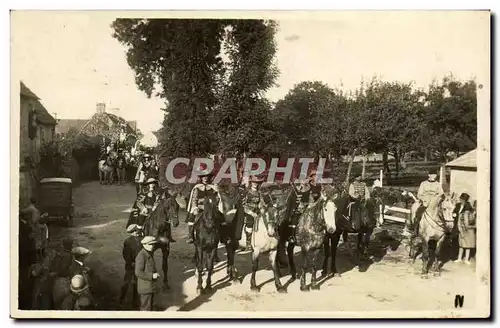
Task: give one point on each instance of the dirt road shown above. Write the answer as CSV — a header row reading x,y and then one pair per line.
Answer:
x,y
388,282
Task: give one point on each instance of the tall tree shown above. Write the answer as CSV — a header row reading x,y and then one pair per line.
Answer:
x,y
183,57
242,121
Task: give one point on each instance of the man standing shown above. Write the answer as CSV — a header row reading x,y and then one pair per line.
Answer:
x,y
358,189
145,271
428,190
131,247
121,167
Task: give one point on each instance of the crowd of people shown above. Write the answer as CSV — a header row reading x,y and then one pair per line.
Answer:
x,y
60,279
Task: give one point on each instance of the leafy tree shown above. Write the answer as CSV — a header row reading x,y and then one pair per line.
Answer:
x,y
451,117
183,57
243,120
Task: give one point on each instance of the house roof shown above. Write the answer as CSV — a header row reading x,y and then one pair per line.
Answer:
x,y
42,115
102,120
64,125
25,91
466,160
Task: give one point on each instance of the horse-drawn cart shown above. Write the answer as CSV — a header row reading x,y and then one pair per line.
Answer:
x,y
56,198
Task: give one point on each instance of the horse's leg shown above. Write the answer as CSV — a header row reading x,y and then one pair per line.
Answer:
x,y
255,267
326,248
333,252
358,255
437,256
231,254
303,286
274,265
425,258
199,268
314,282
291,262
210,269
165,252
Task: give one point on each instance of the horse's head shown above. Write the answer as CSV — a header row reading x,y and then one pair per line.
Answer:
x,y
169,209
446,205
329,211
209,214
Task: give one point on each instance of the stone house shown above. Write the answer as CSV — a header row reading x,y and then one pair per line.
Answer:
x,y
37,127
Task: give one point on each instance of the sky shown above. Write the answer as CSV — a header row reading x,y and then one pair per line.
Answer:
x,y
71,61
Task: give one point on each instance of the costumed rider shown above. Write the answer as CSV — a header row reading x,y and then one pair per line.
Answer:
x,y
250,202
201,190
428,190
143,171
307,193
147,200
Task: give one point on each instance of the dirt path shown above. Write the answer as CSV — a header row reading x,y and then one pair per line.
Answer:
x,y
386,283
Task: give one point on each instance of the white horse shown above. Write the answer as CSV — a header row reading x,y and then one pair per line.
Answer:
x,y
106,170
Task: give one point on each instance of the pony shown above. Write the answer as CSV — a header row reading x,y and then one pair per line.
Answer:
x,y
316,220
106,168
207,237
436,221
158,223
265,239
232,211
350,217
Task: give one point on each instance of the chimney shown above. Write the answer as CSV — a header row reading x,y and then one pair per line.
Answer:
x,y
100,108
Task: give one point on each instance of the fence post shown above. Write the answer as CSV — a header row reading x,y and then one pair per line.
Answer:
x,y
381,177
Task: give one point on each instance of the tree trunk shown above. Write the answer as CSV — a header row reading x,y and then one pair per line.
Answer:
x,y
385,159
396,160
363,169
349,168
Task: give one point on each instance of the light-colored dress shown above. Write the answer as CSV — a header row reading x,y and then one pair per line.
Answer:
x,y
466,230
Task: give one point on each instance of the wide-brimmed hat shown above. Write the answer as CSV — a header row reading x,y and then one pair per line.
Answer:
x,y
81,251
148,240
131,228
146,156
150,181
256,179
432,176
78,284
464,196
202,171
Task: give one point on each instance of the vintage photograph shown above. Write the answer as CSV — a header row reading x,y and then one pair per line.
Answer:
x,y
250,164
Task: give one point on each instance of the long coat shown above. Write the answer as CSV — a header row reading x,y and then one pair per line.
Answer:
x,y
144,268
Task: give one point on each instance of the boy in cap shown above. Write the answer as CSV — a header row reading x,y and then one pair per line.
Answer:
x,y
131,247
145,271
80,254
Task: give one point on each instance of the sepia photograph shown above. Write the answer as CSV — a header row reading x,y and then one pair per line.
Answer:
x,y
246,164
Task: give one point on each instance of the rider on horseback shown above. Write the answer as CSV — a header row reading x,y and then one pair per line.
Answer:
x,y
428,190
200,191
147,202
253,197
307,193
358,191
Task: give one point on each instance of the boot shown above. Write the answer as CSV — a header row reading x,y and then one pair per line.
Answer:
x,y
191,234
249,240
172,240
292,239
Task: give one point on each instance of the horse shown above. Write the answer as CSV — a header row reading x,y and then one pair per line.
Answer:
x,y
356,218
436,221
207,237
106,169
316,220
158,223
265,239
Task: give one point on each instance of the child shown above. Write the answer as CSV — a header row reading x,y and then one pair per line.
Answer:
x,y
466,227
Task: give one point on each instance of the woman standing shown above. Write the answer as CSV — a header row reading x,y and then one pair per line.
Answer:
x,y
466,225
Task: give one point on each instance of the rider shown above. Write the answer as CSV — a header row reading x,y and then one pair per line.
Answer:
x,y
121,166
147,199
250,202
358,191
142,172
428,190
195,206
307,193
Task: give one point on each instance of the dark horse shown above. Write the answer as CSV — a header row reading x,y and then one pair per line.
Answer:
x,y
316,221
358,218
207,237
158,224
